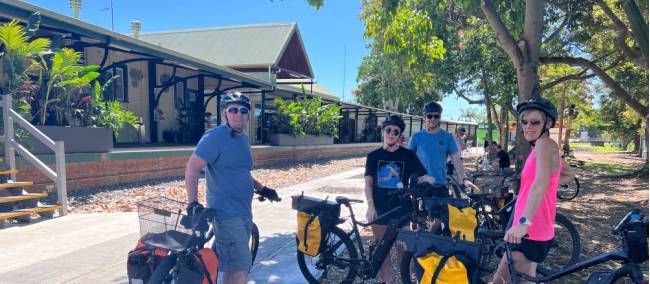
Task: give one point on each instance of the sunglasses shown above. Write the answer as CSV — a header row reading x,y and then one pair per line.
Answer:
x,y
430,116
532,122
395,131
235,110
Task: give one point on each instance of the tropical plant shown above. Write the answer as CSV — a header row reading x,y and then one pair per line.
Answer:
x,y
109,114
307,116
17,55
62,82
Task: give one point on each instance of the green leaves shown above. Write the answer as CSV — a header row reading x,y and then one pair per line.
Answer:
x,y
308,116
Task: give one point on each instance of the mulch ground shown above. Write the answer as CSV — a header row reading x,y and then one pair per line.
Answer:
x,y
124,198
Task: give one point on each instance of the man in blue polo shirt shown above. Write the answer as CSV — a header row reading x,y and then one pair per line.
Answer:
x,y
434,146
225,153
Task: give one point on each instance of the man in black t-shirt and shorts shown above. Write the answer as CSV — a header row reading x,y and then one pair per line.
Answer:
x,y
388,170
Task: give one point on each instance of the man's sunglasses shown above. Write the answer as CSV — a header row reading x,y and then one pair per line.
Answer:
x,y
430,116
532,122
395,131
234,110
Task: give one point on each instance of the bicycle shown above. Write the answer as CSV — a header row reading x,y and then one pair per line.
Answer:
x,y
633,252
565,246
343,253
182,235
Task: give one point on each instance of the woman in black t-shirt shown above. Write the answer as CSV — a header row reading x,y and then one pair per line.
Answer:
x,y
388,170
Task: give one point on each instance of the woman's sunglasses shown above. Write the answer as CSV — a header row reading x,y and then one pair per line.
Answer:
x,y
430,116
235,110
532,122
395,131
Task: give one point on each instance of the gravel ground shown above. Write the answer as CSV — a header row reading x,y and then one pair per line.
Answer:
x,y
124,198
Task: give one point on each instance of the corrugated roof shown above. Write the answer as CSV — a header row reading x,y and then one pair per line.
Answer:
x,y
241,46
22,11
313,88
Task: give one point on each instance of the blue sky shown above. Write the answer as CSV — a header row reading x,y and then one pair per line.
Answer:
x,y
328,33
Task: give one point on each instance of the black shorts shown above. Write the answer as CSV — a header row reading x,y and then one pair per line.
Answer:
x,y
535,251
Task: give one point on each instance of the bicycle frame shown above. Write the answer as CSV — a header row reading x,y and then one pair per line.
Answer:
x,y
376,258
629,268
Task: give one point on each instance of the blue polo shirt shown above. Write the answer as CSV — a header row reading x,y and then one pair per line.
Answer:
x,y
228,173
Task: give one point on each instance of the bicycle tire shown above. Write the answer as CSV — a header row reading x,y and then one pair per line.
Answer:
x,y
569,190
348,263
406,268
562,249
254,242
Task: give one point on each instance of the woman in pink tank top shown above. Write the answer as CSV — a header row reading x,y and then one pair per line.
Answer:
x,y
534,217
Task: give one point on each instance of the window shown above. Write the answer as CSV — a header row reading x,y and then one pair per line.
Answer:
x,y
118,89
179,94
121,84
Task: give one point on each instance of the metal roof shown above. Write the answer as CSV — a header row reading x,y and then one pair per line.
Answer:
x,y
20,10
236,46
316,89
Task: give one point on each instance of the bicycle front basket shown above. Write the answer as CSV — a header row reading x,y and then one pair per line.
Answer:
x,y
160,224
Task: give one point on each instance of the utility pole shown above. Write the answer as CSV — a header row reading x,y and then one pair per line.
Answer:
x,y
344,55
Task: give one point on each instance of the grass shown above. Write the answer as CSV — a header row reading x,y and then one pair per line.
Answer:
x,y
609,169
588,147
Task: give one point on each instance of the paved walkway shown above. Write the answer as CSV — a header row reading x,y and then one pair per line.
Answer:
x,y
92,248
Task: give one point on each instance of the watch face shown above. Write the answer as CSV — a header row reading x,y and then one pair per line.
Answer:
x,y
522,220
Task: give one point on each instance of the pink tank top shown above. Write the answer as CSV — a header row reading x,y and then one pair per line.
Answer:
x,y
544,219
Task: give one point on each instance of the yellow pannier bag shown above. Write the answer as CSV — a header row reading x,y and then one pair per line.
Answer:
x,y
463,221
309,233
450,271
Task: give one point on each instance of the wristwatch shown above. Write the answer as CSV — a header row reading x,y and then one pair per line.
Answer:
x,y
524,221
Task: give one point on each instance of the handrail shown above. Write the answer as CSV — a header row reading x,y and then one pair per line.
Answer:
x,y
11,146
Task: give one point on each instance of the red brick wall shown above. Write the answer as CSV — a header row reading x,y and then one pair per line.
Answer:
x,y
110,172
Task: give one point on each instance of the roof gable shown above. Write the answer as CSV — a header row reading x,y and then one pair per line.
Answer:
x,y
240,47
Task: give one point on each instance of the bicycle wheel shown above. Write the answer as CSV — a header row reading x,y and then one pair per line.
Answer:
x,y
337,263
407,268
254,242
569,190
565,249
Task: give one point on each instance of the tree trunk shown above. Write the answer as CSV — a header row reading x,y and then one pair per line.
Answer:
x,y
503,127
488,107
638,149
561,118
524,55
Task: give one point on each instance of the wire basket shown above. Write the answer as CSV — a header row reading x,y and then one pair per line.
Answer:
x,y
160,224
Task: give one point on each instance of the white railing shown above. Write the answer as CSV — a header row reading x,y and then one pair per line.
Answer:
x,y
11,146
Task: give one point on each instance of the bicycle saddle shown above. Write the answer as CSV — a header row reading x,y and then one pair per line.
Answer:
x,y
477,196
345,200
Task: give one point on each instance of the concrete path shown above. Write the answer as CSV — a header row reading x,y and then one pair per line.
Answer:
x,y
92,248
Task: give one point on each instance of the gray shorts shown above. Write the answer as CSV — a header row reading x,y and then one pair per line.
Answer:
x,y
232,236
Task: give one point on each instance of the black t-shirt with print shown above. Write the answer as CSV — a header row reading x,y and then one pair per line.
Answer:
x,y
390,171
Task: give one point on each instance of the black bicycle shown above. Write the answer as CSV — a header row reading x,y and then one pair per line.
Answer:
x,y
165,225
343,256
633,229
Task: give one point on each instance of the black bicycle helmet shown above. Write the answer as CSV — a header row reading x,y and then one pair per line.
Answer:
x,y
540,104
394,119
234,97
543,105
432,107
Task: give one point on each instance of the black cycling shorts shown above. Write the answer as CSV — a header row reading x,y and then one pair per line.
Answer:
x,y
535,251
